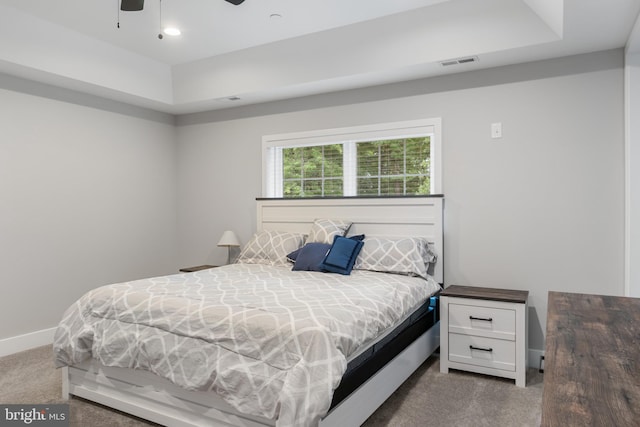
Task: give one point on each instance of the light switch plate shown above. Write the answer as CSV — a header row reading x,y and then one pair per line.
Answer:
x,y
496,130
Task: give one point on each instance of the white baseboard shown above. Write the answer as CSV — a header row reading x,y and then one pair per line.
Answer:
x,y
25,342
534,358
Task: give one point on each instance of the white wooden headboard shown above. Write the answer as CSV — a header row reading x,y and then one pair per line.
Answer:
x,y
402,216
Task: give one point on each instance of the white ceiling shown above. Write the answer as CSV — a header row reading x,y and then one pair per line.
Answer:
x,y
315,46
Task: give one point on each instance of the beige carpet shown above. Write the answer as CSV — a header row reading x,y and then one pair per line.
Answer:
x,y
427,398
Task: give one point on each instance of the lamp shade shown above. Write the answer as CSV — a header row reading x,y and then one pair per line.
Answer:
x,y
229,238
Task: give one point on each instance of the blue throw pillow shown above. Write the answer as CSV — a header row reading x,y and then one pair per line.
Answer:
x,y
342,255
292,256
310,256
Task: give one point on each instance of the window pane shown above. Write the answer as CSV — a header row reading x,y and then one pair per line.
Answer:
x,y
291,163
367,158
312,187
391,161
306,170
391,186
418,185
292,189
418,155
392,157
333,161
312,162
367,186
333,187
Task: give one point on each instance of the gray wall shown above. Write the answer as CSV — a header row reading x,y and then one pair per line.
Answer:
x,y
540,209
87,198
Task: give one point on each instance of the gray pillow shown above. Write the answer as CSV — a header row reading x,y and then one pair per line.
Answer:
x,y
401,255
324,230
270,247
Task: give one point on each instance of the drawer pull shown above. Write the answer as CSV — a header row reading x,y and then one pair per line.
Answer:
x,y
484,319
472,347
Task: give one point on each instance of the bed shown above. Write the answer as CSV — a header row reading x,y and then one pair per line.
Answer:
x,y
300,366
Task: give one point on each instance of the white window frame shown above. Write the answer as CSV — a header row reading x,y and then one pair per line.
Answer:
x,y
272,153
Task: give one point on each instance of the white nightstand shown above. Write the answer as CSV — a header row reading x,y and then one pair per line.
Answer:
x,y
484,330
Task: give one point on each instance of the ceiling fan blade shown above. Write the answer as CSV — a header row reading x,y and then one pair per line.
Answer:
x,y
132,5
236,2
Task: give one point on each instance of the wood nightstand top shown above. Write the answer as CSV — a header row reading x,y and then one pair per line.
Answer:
x,y
197,268
491,294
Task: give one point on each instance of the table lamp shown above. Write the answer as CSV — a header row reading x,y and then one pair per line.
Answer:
x,y
229,239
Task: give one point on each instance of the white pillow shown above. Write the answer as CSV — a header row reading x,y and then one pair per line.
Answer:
x,y
401,255
324,230
270,247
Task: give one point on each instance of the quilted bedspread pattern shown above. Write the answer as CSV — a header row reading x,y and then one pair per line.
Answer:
x,y
269,341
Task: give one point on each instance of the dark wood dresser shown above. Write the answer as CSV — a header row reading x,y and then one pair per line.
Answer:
x,y
592,361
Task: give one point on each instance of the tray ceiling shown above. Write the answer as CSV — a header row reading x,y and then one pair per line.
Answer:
x,y
265,50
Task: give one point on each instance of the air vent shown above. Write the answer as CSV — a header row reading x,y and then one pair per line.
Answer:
x,y
458,61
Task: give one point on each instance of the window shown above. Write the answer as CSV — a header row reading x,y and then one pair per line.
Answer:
x,y
394,167
379,160
312,171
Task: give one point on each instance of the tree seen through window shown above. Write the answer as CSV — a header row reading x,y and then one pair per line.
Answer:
x,y
380,168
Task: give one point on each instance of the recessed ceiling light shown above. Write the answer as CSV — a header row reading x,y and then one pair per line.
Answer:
x,y
171,31
275,16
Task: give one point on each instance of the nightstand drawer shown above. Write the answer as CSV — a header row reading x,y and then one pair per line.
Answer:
x,y
482,351
484,321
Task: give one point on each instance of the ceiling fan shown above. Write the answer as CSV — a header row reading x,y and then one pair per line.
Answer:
x,y
134,5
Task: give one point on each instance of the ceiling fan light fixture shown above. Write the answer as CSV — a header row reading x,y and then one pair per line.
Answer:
x,y
131,5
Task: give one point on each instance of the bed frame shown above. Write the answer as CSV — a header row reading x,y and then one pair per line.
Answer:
x,y
148,396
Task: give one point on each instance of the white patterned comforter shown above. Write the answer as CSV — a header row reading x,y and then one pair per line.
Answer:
x,y
270,341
